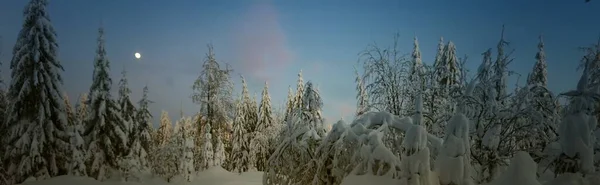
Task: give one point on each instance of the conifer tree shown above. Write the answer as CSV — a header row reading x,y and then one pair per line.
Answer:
x,y
164,130
311,112
207,149
81,108
299,92
38,135
127,108
417,70
289,105
71,117
105,131
239,151
263,134
142,132
539,72
76,160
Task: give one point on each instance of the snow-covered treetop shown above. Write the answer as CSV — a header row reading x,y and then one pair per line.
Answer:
x,y
101,81
417,70
124,90
144,102
584,97
299,91
539,73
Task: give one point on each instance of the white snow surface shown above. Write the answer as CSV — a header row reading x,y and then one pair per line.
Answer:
x,y
212,176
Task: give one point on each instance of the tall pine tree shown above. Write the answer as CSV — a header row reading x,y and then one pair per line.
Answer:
x,y
105,130
38,132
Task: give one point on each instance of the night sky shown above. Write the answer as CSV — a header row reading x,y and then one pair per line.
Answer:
x,y
273,40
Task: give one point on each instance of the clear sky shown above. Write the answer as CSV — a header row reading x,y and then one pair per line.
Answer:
x,y
273,40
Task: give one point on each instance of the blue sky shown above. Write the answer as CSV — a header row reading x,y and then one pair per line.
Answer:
x,y
272,40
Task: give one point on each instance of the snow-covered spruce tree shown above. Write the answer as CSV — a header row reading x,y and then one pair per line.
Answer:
x,y
239,151
251,130
104,132
299,92
312,114
71,118
141,134
207,150
250,112
435,97
164,130
301,137
543,105
76,165
577,126
76,161
212,91
362,100
126,106
262,135
186,148
38,135
416,77
81,107
539,72
165,159
500,70
289,105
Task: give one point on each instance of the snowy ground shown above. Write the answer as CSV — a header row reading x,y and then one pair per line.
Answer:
x,y
218,176
214,176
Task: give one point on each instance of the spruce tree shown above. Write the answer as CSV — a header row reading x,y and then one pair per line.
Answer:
x,y
539,72
76,162
164,130
262,136
311,112
143,128
71,115
38,135
81,108
417,70
299,92
289,105
239,152
105,130
127,108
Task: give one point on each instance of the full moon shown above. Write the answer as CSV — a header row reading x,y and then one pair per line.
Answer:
x,y
137,55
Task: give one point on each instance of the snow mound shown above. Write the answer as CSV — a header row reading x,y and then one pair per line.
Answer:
x,y
370,179
521,171
575,179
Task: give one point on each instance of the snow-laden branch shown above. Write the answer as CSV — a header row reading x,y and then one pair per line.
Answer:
x,y
375,119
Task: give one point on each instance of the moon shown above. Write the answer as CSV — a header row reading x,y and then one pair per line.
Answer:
x,y
137,55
